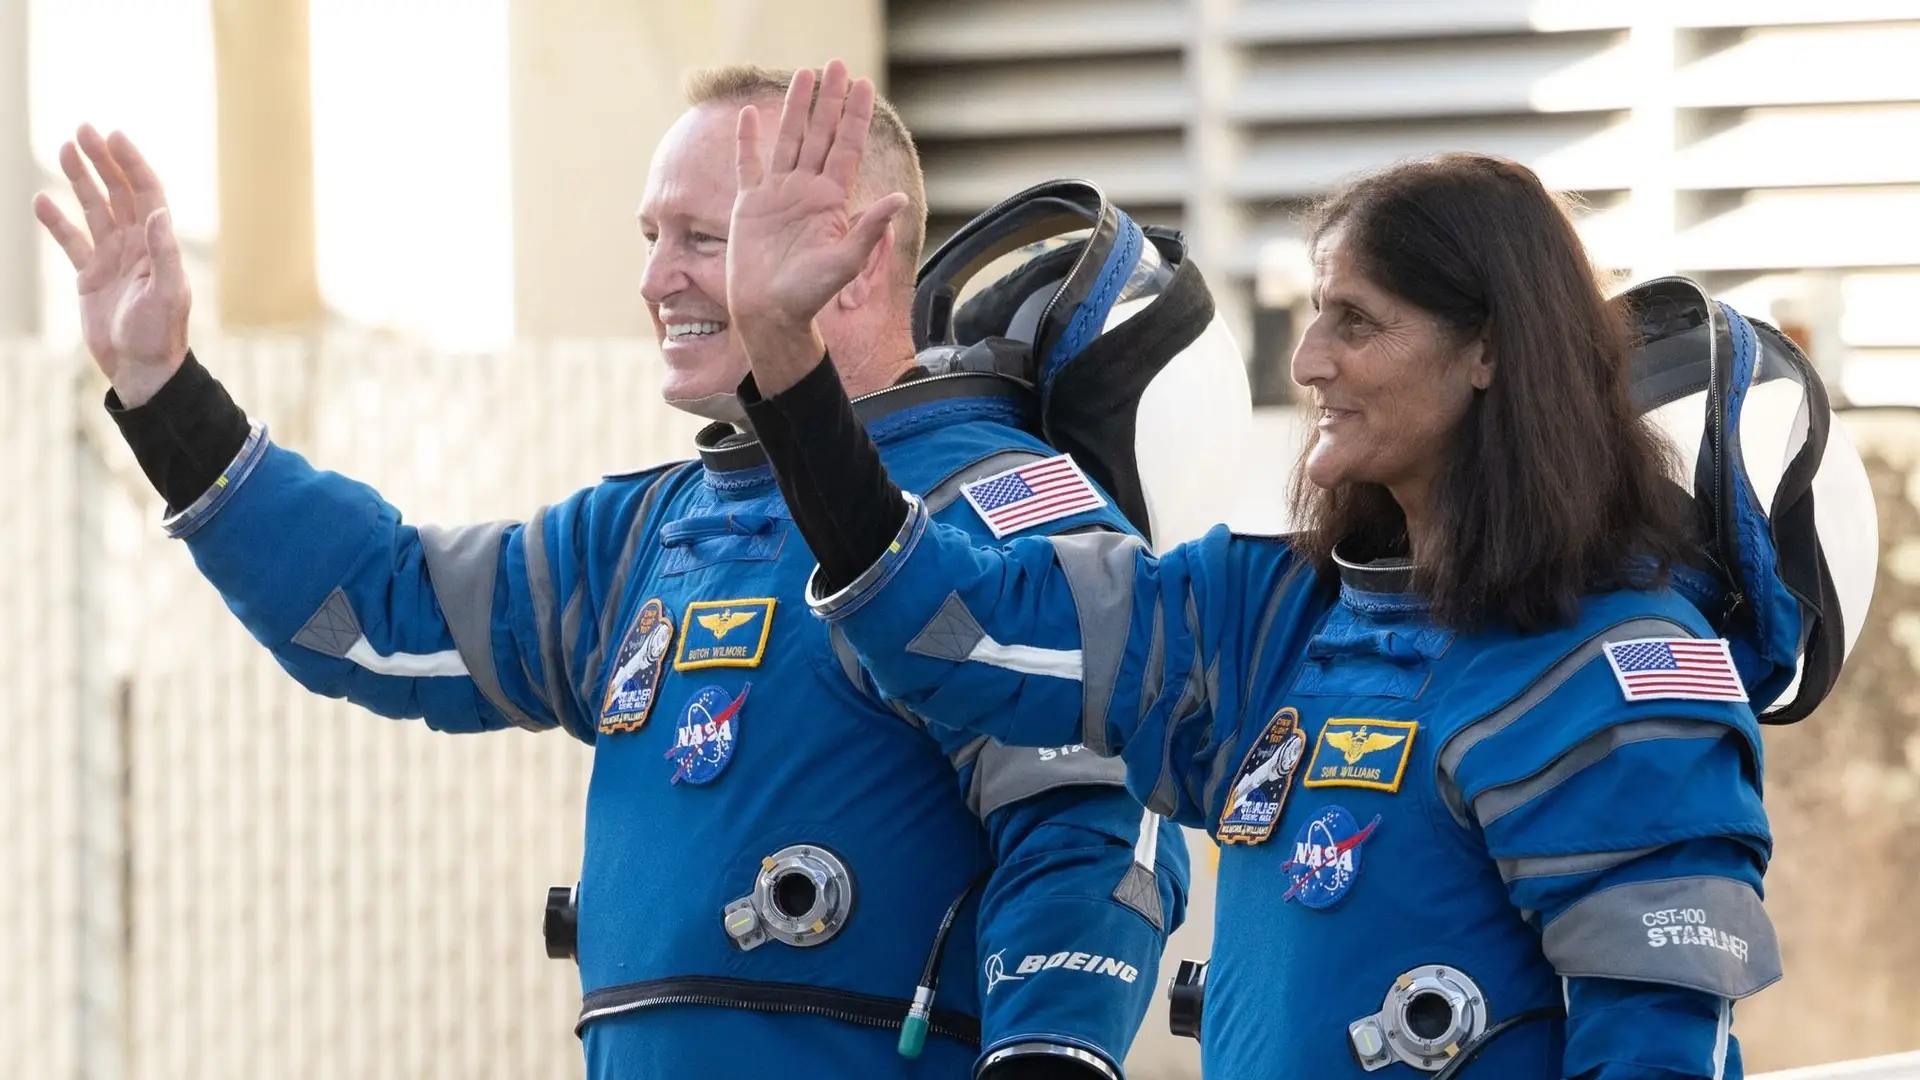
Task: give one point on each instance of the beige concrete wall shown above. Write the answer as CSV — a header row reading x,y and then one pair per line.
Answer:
x,y
19,251
267,277
593,86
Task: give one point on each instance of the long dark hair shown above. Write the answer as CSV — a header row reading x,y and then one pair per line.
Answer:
x,y
1554,487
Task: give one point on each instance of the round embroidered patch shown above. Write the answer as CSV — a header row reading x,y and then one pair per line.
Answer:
x,y
1326,857
708,733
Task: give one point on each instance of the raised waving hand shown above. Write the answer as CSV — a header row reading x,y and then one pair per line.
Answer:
x,y
134,296
794,240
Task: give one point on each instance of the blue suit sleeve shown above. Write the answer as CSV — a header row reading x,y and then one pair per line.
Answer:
x,y
1632,836
1083,638
471,629
1069,958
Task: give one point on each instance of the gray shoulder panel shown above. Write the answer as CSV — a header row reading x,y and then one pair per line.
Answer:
x,y
943,494
462,562
1496,802
1099,567
1004,775
1552,679
1709,934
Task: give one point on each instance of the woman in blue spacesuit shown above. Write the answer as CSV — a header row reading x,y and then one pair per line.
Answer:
x,y
1472,760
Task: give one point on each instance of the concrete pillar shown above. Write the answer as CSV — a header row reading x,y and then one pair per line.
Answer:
x,y
593,85
266,272
19,179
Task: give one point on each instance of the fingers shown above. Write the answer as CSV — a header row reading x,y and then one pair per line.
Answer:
x,y
65,233
825,118
93,201
871,225
747,167
169,275
148,195
119,192
793,121
850,140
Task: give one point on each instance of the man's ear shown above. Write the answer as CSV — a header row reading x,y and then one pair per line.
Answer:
x,y
877,271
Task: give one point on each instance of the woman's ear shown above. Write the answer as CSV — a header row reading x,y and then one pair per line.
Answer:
x,y
1479,363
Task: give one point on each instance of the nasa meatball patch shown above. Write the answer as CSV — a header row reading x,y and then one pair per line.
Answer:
x,y
1259,790
1326,857
709,732
636,670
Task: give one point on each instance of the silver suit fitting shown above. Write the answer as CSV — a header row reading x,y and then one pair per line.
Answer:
x,y
802,895
1428,1015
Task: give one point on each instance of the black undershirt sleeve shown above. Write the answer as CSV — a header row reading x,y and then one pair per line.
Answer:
x,y
830,472
185,436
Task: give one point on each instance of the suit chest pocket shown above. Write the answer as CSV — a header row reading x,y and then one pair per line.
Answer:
x,y
710,539
1354,657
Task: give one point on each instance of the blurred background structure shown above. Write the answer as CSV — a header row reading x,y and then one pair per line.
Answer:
x,y
410,232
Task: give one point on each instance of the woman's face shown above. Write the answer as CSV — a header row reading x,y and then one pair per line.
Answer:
x,y
1390,380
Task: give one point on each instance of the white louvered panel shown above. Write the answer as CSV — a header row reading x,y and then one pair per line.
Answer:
x,y
941,31
1368,81
1134,170
1882,310
1344,20
1045,97
1804,65
1804,146
1580,152
1798,228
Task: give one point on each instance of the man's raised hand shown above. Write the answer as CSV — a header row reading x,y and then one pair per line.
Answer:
x,y
134,296
793,243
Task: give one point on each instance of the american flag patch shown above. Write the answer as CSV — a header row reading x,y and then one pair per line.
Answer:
x,y
1654,668
1032,494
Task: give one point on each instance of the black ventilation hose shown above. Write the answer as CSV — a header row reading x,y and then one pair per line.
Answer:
x,y
1479,1042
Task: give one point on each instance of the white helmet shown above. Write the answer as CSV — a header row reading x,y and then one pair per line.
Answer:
x,y
1786,509
1115,331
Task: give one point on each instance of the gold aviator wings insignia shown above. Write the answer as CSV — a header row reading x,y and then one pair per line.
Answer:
x,y
722,621
1358,744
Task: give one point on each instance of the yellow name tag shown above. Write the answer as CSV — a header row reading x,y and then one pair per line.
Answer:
x,y
724,633
1362,754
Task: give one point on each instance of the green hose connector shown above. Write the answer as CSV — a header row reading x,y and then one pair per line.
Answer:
x,y
913,1030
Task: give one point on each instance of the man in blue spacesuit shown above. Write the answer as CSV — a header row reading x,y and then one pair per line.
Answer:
x,y
1480,741
766,885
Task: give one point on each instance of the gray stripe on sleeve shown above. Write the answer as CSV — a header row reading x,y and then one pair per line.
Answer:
x,y
540,584
843,652
1552,679
1004,775
1496,802
609,636
1709,934
463,562
1512,870
1099,567
1192,699
1155,667
943,494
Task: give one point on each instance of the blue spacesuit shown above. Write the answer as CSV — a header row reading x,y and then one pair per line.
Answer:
x,y
1425,834
770,848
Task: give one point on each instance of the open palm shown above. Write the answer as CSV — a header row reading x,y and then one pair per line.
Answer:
x,y
793,242
134,296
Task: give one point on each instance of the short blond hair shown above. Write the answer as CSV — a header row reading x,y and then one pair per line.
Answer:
x,y
892,161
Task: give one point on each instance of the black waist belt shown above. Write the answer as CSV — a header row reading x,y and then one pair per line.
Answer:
x,y
871,1010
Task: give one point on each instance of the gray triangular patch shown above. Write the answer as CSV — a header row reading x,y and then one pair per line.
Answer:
x,y
333,629
951,634
1140,891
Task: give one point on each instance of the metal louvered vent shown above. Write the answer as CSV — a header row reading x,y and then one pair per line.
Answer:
x,y
1764,146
